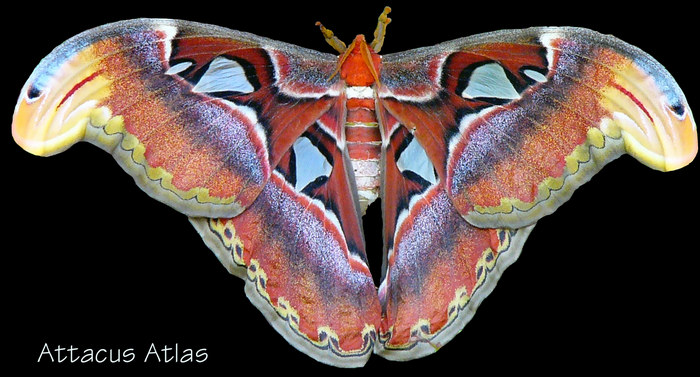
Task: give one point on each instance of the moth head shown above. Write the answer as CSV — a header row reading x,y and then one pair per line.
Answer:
x,y
359,62
359,65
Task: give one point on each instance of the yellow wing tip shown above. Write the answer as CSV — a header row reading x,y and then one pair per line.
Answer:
x,y
684,143
57,104
42,133
652,117
668,145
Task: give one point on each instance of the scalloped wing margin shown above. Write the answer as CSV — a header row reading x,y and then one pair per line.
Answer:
x,y
300,249
438,267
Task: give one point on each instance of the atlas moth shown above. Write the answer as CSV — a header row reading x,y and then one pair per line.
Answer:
x,y
275,152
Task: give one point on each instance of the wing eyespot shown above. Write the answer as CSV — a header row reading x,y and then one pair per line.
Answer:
x,y
33,92
678,109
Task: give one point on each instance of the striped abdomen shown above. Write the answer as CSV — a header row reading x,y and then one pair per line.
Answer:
x,y
364,143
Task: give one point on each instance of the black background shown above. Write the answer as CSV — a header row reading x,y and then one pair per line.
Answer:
x,y
606,283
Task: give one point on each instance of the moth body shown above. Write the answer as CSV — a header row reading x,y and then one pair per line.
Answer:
x,y
359,67
364,143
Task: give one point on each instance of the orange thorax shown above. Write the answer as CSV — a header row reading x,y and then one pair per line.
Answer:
x,y
359,64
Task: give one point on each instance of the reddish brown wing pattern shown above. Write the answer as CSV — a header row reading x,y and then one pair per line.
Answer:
x,y
481,137
145,90
512,119
301,251
208,121
511,122
439,267
311,284
300,242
